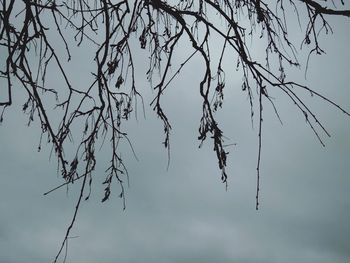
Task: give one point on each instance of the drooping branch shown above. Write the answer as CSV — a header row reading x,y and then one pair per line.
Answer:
x,y
108,99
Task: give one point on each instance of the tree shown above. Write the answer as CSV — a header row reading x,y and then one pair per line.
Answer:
x,y
111,28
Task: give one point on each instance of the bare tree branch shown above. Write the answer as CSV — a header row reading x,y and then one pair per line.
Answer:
x,y
110,28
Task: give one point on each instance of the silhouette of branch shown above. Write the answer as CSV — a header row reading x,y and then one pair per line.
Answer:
x,y
111,94
318,9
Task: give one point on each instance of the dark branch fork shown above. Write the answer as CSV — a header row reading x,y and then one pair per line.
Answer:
x,y
112,96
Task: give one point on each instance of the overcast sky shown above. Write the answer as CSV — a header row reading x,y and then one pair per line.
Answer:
x,y
184,214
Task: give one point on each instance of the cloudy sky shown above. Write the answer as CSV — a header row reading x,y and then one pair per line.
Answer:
x,y
184,214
